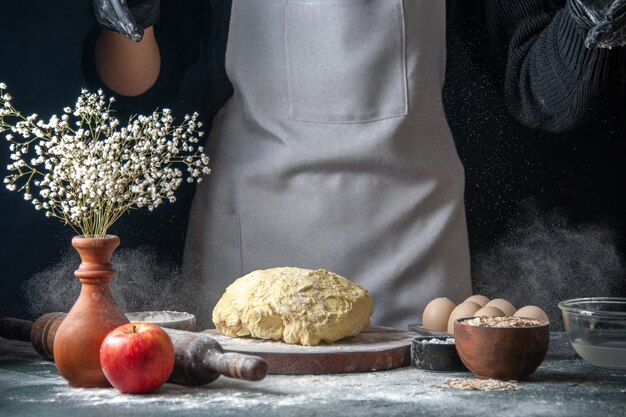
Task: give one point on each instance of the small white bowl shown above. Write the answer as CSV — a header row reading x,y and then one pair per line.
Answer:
x,y
168,319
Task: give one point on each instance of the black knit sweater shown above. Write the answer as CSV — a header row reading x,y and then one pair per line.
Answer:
x,y
539,121
535,52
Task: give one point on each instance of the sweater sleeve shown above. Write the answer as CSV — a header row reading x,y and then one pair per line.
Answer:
x,y
552,81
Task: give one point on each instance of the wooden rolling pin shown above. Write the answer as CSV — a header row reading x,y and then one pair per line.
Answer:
x,y
200,359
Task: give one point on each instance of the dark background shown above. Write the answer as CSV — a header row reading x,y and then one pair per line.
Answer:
x,y
545,211
40,61
40,47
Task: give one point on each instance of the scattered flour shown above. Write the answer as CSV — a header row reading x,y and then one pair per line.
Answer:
x,y
435,341
480,384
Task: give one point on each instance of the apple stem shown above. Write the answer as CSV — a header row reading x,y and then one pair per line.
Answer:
x,y
134,328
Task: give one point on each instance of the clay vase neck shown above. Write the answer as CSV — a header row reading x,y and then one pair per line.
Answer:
x,y
93,316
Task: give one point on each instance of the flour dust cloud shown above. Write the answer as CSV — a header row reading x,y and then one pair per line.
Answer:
x,y
545,258
145,282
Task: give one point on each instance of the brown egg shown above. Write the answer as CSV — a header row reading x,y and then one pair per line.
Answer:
x,y
436,314
465,309
490,311
532,312
503,305
481,300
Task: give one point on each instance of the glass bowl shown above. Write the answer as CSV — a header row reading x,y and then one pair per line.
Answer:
x,y
596,327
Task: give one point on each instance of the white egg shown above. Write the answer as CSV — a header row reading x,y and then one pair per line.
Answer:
x,y
503,305
465,309
532,312
490,311
436,313
478,299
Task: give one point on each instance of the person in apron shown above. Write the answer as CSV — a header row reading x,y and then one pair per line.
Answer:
x,y
333,151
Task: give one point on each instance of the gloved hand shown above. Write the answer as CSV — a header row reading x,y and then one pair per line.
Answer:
x,y
605,21
126,17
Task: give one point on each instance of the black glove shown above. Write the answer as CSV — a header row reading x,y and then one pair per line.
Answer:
x,y
126,17
604,20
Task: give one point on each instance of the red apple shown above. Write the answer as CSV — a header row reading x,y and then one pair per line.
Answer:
x,y
137,357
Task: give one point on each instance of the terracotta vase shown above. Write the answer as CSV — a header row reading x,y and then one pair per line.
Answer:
x,y
93,316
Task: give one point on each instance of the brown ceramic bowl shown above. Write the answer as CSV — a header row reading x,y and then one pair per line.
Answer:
x,y
501,352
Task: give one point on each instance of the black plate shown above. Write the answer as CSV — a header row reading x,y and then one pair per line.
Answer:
x,y
417,328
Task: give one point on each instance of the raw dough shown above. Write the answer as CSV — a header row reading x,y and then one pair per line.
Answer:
x,y
294,305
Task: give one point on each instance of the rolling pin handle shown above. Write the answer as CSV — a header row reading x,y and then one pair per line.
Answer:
x,y
40,333
236,365
15,329
43,332
200,360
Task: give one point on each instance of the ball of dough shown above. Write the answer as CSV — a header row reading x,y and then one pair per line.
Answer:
x,y
294,305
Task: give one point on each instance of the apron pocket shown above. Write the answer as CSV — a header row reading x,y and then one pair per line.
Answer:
x,y
345,60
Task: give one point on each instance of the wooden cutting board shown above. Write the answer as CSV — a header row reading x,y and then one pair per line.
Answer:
x,y
374,349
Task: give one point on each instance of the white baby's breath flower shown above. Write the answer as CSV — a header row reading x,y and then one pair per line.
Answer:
x,y
102,169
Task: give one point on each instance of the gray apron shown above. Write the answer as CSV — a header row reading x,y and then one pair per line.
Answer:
x,y
334,152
